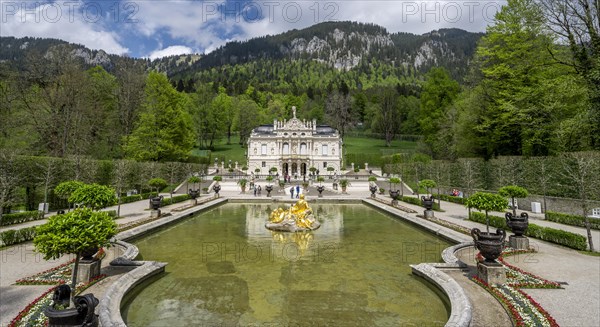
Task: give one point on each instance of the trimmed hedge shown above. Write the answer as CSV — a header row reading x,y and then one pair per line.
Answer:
x,y
15,236
137,197
568,239
573,220
20,217
417,201
453,199
176,199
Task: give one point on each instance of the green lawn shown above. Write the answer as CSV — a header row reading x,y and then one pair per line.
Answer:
x,y
359,149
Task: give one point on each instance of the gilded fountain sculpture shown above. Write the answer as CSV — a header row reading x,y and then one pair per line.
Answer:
x,y
298,218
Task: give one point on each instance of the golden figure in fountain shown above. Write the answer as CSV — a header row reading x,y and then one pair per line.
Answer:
x,y
299,217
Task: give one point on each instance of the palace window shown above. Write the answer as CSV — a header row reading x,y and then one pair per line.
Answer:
x,y
264,164
303,148
324,164
263,149
286,148
324,150
596,212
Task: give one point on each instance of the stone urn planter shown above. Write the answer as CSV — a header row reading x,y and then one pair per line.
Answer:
x,y
489,244
155,202
216,189
395,195
269,188
518,225
88,254
427,202
373,189
82,315
194,194
320,189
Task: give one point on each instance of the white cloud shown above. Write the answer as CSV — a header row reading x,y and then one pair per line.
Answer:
x,y
170,51
57,20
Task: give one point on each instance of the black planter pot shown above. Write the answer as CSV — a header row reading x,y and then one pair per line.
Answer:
x,y
490,245
395,194
518,225
155,202
82,315
269,188
217,188
320,189
194,193
373,189
427,202
88,254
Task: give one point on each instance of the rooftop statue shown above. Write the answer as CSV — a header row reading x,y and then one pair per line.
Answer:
x,y
299,217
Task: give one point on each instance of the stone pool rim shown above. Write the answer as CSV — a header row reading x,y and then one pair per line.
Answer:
x,y
109,310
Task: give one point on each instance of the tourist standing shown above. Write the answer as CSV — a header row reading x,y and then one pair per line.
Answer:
x,y
292,192
297,191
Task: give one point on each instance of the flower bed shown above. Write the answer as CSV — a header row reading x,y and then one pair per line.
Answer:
x,y
33,314
55,276
523,309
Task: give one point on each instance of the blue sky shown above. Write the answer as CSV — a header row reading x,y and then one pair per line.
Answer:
x,y
155,28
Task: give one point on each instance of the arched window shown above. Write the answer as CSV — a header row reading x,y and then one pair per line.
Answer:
x,y
303,148
286,148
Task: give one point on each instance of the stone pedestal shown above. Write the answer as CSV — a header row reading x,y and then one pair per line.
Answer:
x,y
491,273
518,242
88,270
155,213
428,214
193,202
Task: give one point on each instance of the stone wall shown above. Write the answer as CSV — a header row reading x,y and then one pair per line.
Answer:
x,y
564,205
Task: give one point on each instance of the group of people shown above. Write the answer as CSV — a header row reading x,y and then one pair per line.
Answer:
x,y
295,189
257,190
456,192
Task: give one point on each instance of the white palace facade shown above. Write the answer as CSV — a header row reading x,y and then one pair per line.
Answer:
x,y
293,146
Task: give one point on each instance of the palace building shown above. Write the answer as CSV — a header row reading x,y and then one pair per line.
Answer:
x,y
293,146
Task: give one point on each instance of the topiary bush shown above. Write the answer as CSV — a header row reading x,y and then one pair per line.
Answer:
x,y
94,196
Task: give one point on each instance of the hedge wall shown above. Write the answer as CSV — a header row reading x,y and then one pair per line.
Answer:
x,y
573,220
137,197
176,199
20,217
568,239
15,236
453,199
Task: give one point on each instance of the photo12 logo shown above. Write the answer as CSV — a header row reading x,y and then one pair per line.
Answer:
x,y
53,12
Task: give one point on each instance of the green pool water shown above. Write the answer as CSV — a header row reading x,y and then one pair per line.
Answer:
x,y
225,269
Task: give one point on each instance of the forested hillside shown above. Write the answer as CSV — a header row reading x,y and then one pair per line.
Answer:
x,y
518,90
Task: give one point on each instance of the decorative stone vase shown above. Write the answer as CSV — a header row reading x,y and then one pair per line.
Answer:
x,y
88,254
373,189
395,194
320,189
269,188
518,225
194,193
490,245
427,202
82,315
217,188
155,202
